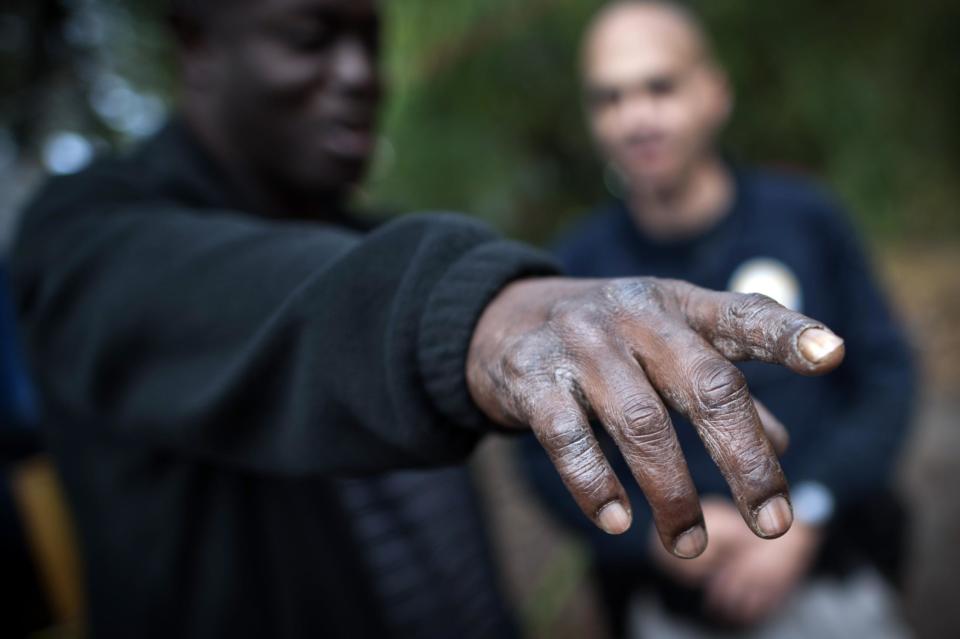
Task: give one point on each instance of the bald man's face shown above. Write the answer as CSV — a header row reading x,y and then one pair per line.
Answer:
x,y
655,101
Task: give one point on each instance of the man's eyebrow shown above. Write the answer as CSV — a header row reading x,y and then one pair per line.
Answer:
x,y
661,78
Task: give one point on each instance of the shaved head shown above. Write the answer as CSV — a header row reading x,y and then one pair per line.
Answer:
x,y
673,23
655,95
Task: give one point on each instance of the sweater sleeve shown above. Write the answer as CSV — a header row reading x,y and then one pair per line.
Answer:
x,y
272,347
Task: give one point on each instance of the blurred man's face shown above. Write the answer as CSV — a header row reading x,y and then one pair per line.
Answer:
x,y
295,88
654,100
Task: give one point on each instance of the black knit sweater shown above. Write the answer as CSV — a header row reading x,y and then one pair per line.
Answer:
x,y
206,373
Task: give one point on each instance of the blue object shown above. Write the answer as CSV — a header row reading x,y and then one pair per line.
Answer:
x,y
18,406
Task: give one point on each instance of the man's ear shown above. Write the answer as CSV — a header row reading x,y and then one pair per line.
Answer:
x,y
726,97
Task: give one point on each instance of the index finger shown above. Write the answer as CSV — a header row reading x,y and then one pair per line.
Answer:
x,y
753,326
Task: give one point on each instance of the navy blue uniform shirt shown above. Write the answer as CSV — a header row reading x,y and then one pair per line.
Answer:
x,y
846,427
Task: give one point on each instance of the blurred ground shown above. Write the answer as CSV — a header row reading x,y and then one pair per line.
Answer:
x,y
547,572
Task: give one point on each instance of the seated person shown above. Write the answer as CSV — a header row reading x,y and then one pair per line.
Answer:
x,y
657,98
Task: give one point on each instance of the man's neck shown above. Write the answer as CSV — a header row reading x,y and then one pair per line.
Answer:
x,y
687,208
254,190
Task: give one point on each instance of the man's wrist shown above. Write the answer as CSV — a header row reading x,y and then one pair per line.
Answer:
x,y
451,315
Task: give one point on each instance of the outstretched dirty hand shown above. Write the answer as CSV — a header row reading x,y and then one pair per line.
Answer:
x,y
553,354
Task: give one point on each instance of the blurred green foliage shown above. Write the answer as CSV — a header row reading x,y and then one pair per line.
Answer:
x,y
485,114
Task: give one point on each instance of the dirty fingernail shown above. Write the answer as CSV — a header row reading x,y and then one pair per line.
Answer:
x,y
691,543
817,344
614,518
774,517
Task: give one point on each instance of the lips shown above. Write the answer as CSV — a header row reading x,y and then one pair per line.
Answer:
x,y
645,150
346,128
349,139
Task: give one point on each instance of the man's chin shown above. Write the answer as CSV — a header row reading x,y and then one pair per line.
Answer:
x,y
654,180
341,175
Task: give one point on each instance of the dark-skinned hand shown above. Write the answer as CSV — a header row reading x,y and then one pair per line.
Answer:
x,y
756,577
744,579
551,354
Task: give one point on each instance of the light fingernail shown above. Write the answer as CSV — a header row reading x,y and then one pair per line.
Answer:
x,y
774,517
614,518
691,543
816,344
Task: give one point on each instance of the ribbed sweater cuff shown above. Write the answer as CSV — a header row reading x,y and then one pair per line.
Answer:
x,y
452,312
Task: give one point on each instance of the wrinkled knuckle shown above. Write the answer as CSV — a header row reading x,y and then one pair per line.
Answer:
x,y
754,465
644,413
577,325
751,307
589,476
756,471
654,437
570,312
634,294
565,437
573,453
720,386
527,358
514,363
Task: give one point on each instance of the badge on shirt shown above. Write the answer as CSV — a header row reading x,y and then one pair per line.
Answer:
x,y
771,278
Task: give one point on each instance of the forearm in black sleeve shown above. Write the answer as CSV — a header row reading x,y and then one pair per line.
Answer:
x,y
275,347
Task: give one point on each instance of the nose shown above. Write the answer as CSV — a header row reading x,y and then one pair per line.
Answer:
x,y
638,111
